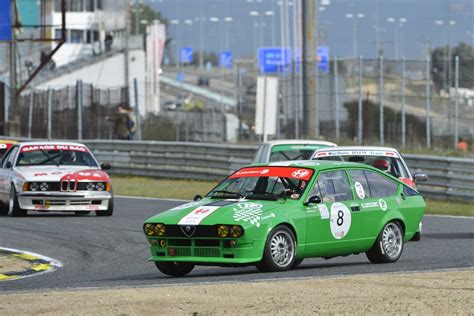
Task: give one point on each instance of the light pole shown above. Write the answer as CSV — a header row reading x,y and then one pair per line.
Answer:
x,y
354,18
176,22
255,15
399,39
227,20
447,50
272,15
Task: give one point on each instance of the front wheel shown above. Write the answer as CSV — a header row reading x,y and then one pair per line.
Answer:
x,y
389,244
176,269
109,211
14,209
280,251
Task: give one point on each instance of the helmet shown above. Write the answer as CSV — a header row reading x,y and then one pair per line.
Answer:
x,y
68,156
382,163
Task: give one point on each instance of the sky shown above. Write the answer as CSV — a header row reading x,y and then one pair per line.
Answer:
x,y
424,23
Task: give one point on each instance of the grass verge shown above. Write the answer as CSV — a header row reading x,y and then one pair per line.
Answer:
x,y
187,189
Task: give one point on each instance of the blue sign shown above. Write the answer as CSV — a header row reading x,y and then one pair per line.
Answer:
x,y
5,21
274,60
186,55
226,59
322,58
180,76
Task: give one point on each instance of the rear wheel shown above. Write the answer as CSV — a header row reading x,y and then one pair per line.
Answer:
x,y
389,244
109,211
280,251
297,263
176,269
417,235
14,209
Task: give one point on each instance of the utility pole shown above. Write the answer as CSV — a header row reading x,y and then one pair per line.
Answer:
x,y
309,76
126,51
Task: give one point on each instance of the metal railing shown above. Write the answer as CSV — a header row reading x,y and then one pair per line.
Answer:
x,y
449,178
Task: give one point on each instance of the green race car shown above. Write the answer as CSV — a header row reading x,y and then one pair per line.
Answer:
x,y
275,215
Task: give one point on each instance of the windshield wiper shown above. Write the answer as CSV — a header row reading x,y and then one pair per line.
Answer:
x,y
49,158
227,192
270,194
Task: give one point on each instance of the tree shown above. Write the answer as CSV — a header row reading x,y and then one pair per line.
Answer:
x,y
439,71
143,12
208,57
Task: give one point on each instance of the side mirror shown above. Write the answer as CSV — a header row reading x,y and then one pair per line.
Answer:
x,y
197,198
8,165
105,166
313,200
421,177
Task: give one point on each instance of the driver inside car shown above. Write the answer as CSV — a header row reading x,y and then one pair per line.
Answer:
x,y
295,193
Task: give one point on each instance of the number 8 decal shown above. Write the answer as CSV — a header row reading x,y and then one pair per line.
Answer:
x,y
340,220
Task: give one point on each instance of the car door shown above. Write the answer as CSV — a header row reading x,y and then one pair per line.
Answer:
x,y
332,225
7,173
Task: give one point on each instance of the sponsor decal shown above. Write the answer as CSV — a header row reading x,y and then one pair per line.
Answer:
x,y
398,200
323,211
359,190
3,146
52,147
340,221
248,212
197,215
285,172
383,204
358,153
369,205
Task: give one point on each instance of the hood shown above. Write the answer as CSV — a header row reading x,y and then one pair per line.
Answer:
x,y
53,173
211,211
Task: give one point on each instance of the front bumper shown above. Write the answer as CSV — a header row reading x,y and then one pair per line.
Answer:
x,y
64,201
196,251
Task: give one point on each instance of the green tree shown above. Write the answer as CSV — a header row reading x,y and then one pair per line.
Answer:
x,y
140,12
208,57
439,68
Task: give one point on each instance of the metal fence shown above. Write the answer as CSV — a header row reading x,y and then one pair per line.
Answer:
x,y
449,178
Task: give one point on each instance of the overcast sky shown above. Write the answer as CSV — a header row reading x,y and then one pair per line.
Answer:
x,y
426,24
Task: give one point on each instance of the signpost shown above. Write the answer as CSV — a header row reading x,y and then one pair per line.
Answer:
x,y
322,58
226,59
5,21
186,55
272,60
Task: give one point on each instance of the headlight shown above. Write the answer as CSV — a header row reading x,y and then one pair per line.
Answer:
x,y
149,229
236,231
222,231
160,229
100,186
90,186
34,186
44,186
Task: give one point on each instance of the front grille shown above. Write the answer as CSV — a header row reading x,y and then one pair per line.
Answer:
x,y
182,252
206,252
201,231
179,242
207,243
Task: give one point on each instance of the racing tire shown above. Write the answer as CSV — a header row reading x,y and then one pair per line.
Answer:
x,y
14,209
297,263
82,212
176,269
416,237
109,211
3,209
280,251
389,244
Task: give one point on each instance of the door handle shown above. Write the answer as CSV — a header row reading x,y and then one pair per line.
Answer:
x,y
355,208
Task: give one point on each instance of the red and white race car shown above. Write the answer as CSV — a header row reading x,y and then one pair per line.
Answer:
x,y
54,177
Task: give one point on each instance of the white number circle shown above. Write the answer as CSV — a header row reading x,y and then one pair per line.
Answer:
x,y
359,190
340,221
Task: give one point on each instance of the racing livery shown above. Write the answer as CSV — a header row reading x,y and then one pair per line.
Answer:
x,y
275,215
5,145
288,149
54,177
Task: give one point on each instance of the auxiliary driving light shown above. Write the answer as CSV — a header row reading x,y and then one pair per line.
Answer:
x,y
236,231
149,229
222,231
100,186
34,186
44,186
163,243
90,186
160,229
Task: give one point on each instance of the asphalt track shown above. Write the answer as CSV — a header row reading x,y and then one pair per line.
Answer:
x,y
112,251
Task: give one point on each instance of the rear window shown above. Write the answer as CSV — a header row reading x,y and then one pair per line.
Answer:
x,y
380,186
293,152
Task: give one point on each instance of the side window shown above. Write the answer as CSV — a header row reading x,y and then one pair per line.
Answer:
x,y
361,184
10,156
379,185
334,186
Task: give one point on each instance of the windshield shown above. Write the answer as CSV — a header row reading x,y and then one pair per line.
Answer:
x,y
55,155
389,162
264,183
293,152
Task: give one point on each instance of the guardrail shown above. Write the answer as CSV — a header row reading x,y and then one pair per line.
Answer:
x,y
449,178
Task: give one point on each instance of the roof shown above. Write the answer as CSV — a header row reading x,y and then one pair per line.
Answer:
x,y
358,148
299,142
315,164
50,143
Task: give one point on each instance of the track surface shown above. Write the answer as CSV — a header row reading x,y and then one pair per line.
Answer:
x,y
103,252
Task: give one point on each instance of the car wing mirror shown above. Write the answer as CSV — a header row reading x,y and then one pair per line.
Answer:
x,y
105,166
421,177
313,200
197,197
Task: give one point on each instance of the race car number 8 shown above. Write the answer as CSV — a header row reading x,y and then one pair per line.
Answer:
x,y
340,220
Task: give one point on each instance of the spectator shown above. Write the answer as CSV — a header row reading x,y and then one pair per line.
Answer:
x,y
108,41
121,123
462,145
132,123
